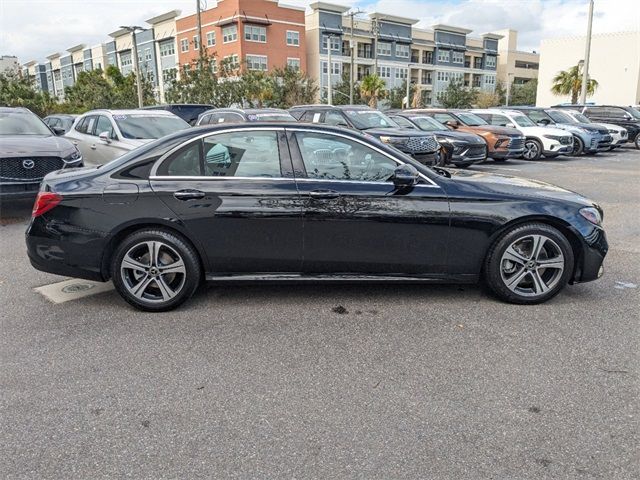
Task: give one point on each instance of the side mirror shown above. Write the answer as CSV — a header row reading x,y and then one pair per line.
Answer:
x,y
58,131
544,122
452,124
405,176
510,125
104,136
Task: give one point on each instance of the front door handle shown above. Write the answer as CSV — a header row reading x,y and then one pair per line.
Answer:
x,y
324,194
189,194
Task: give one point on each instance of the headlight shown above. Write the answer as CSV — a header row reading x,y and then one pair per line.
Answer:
x,y
75,157
501,142
554,137
394,140
613,131
592,214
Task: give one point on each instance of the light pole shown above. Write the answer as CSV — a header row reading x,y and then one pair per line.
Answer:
x,y
408,83
132,29
330,90
587,51
506,103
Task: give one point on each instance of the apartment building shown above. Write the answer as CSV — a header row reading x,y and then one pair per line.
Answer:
x,y
166,53
515,67
395,49
9,64
255,34
36,71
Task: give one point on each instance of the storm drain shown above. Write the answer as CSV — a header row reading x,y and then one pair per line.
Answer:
x,y
73,289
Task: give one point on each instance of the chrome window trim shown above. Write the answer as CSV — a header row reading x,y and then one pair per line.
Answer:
x,y
153,175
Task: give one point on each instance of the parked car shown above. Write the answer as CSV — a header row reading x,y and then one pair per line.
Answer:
x,y
28,151
102,135
59,123
236,115
588,139
462,149
422,146
189,112
626,117
502,142
223,203
547,141
618,134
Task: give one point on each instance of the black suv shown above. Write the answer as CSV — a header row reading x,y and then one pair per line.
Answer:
x,y
28,151
237,115
189,112
423,146
462,149
627,117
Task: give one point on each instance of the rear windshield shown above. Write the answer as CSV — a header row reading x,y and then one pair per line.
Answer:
x,y
471,119
271,117
148,126
20,123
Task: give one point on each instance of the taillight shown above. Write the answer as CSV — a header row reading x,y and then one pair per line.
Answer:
x,y
45,201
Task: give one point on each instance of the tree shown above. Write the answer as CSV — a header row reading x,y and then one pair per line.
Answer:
x,y
398,94
342,89
487,100
524,94
501,93
292,87
17,91
569,82
197,83
372,89
457,96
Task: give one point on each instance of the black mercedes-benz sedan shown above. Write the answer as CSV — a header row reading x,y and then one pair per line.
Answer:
x,y
260,201
28,151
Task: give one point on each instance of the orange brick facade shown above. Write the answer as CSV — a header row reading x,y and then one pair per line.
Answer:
x,y
268,14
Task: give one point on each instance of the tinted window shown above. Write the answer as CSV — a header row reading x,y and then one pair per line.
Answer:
x,y
335,118
444,117
242,154
537,115
311,116
184,163
86,125
104,125
523,121
148,126
231,117
205,120
338,158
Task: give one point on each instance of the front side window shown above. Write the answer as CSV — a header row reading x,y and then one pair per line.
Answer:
x,y
230,34
444,117
335,118
429,124
404,123
330,157
255,34
104,125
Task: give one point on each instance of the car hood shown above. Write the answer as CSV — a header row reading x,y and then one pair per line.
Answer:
x,y
540,131
36,145
517,186
471,138
589,127
397,132
508,131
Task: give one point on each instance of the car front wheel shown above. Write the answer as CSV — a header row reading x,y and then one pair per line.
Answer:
x,y
578,146
155,270
529,264
532,149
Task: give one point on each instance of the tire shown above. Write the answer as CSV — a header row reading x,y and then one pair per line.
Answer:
x,y
500,160
578,147
637,141
162,284
462,165
532,149
510,259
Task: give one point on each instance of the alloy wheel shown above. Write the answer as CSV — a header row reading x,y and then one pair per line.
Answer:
x,y
153,271
530,150
532,265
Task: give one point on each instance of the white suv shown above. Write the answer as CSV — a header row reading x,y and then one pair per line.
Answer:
x,y
102,135
547,141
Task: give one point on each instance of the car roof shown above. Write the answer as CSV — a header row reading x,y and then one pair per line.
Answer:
x,y
331,107
130,111
244,111
15,110
165,105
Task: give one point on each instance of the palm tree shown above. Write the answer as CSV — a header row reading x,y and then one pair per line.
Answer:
x,y
372,87
569,82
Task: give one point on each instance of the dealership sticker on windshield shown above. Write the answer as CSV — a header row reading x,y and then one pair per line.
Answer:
x,y
119,117
73,289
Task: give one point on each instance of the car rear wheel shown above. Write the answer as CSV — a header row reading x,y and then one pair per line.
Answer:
x,y
155,270
532,149
529,264
637,141
578,146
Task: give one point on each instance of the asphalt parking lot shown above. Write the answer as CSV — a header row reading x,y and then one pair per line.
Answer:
x,y
321,381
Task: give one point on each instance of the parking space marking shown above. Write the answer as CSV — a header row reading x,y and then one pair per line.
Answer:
x,y
72,289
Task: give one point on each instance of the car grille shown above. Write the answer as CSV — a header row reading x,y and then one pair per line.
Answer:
x,y
516,143
566,140
422,144
476,151
606,138
14,168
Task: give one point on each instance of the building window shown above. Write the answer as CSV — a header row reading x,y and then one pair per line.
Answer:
x,y
196,42
402,51
169,75
427,57
335,68
211,39
458,57
184,45
527,65
232,61
167,48
489,80
294,64
336,43
384,72
477,62
255,34
293,38
147,54
384,49
125,59
230,34
444,56
257,62
490,61
401,73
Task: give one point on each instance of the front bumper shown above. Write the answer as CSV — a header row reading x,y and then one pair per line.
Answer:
x,y
16,191
507,153
589,264
468,155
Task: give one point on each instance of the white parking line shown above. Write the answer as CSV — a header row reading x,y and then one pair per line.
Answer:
x,y
72,289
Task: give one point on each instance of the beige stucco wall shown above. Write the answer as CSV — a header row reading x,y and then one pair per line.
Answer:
x,y
614,63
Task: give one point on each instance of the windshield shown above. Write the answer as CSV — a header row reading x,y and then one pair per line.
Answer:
x,y
148,126
561,117
581,118
523,121
364,119
21,123
271,117
429,124
471,119
634,113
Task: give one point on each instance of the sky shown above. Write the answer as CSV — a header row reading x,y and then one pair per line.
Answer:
x,y
33,29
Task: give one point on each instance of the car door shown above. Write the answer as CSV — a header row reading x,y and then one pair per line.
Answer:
x,y
234,190
355,221
105,150
82,137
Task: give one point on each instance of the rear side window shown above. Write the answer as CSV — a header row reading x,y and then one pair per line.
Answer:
x,y
242,154
186,162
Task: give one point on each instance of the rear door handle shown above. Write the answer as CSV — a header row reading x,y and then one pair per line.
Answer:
x,y
324,194
189,194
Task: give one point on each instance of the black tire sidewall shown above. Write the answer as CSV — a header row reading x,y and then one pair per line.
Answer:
x,y
580,151
492,275
538,146
182,246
